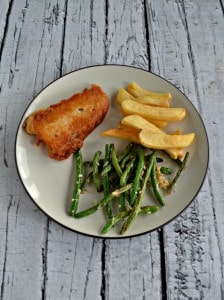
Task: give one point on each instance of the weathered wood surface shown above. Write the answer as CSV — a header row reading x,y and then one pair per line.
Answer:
x,y
180,40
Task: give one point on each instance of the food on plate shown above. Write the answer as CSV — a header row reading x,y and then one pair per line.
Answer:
x,y
165,141
128,134
169,114
138,91
122,95
63,126
143,122
122,180
138,123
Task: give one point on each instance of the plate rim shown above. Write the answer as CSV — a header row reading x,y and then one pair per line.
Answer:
x,y
105,236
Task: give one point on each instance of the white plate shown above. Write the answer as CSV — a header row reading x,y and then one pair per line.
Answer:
x,y
49,182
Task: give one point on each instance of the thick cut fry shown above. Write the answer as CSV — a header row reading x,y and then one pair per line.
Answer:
x,y
173,114
124,127
122,95
137,122
137,91
165,141
122,133
158,123
148,100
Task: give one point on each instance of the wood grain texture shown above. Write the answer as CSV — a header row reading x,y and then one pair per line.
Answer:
x,y
130,264
24,228
180,40
186,48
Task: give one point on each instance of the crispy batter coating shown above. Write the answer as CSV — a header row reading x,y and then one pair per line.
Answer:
x,y
64,126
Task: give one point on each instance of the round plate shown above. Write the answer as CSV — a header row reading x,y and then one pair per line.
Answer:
x,y
49,182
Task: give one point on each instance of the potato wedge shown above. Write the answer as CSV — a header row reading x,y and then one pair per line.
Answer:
x,y
157,123
148,100
137,91
165,141
122,95
137,122
122,133
124,127
173,114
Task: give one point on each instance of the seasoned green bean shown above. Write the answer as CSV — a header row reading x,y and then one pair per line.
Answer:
x,y
77,182
85,182
122,215
149,209
126,151
136,208
114,221
108,206
155,186
115,161
138,175
96,176
129,167
165,170
180,170
103,202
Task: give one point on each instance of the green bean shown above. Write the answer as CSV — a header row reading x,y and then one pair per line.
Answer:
x,y
108,206
149,209
103,202
115,161
106,168
124,176
165,170
123,181
114,221
121,202
181,168
137,205
77,182
87,180
125,152
158,159
155,186
96,177
89,163
122,215
138,175
126,159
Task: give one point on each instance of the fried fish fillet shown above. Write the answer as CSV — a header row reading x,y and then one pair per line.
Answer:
x,y
64,126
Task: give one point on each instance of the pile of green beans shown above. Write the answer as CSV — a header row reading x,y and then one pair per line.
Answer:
x,y
124,177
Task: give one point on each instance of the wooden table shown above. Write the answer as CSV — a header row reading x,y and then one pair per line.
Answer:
x,y
183,41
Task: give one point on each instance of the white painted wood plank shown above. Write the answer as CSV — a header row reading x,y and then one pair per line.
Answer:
x,y
24,227
41,258
4,18
132,266
84,46
74,265
84,35
126,37
185,52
